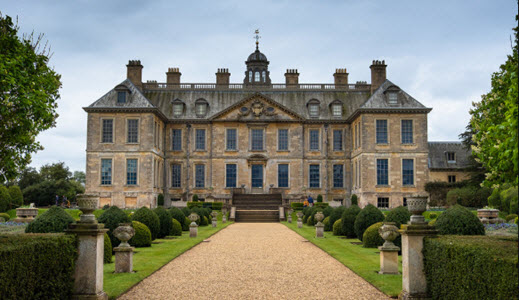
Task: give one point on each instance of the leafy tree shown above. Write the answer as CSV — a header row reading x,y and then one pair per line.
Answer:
x,y
55,172
494,120
28,177
28,97
80,176
16,196
475,168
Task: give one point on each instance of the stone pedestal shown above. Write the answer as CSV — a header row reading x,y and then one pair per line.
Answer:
x,y
123,259
289,218
319,230
193,230
213,222
25,215
88,273
388,260
224,219
299,223
414,284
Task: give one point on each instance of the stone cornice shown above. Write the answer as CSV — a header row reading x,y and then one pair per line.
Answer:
x,y
388,110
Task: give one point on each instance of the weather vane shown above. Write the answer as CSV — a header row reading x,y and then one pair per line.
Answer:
x,y
257,37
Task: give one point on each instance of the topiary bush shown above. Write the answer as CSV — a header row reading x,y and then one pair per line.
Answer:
x,y
107,257
53,220
185,226
142,237
371,237
327,211
337,228
111,218
354,200
165,222
368,216
309,221
319,198
160,200
327,225
510,217
5,199
176,228
348,221
16,196
178,215
509,200
433,216
148,218
5,216
204,222
432,223
195,198
400,215
460,221
336,214
186,211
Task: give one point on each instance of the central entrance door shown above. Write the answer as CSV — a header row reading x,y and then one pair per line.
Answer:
x,y
257,178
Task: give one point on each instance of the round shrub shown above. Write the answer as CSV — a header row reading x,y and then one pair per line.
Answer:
x,y
5,216
112,217
186,211
319,198
176,228
309,221
305,218
148,218
178,215
5,199
354,200
327,225
459,220
371,237
327,211
53,220
204,222
433,216
400,215
510,217
348,221
142,237
165,222
185,226
107,257
337,228
16,196
368,216
336,214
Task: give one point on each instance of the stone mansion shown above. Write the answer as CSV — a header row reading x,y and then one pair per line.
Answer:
x,y
214,139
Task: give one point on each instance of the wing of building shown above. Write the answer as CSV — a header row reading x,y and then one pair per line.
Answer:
x,y
214,139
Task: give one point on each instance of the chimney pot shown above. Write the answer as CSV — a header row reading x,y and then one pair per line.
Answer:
x,y
173,76
340,76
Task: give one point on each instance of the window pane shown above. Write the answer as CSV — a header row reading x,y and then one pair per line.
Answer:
x,y
392,98
231,139
338,176
106,171
257,76
178,109
264,76
337,110
250,76
108,126
314,176
407,131
121,97
407,172
200,139
381,131
133,131
201,109
199,175
176,140
257,139
337,140
131,171
283,139
283,175
382,172
176,175
313,110
451,157
230,180
383,202
314,140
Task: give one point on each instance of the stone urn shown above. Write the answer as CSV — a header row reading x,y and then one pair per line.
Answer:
x,y
193,228
319,216
214,214
299,215
87,204
124,233
417,205
389,232
193,217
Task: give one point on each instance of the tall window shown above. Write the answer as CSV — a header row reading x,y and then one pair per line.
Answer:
x,y
200,139
250,76
283,139
383,202
257,76
176,140
231,139
381,131
131,171
314,140
407,172
337,140
314,176
230,175
407,131
176,175
358,135
199,176
338,176
256,139
313,110
121,97
108,131
382,172
337,110
106,171
133,131
283,175
201,109
264,76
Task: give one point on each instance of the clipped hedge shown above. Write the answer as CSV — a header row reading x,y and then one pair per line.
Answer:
x,y
368,216
176,228
178,215
371,237
337,228
212,205
37,266
348,221
296,205
185,226
165,222
460,221
471,267
111,218
5,216
107,258
142,237
327,225
53,220
469,196
186,211
321,204
5,199
148,218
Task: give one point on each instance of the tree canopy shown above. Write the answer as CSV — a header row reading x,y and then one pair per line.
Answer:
x,y
28,97
494,120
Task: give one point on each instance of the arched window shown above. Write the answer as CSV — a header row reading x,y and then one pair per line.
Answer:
x,y
178,108
250,76
201,107
264,75
257,76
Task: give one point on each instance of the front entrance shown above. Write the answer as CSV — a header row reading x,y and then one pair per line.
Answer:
x,y
257,178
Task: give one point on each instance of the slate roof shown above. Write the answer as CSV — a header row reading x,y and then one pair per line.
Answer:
x,y
380,100
438,156
135,99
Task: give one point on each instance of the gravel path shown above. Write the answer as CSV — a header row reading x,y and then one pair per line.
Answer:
x,y
254,261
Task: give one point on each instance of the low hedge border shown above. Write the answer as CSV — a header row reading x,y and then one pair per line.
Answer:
x,y
211,205
471,267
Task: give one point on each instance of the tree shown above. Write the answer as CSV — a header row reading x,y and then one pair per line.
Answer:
x,y
475,168
494,120
80,176
28,97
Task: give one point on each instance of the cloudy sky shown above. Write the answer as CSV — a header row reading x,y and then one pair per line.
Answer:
x,y
440,52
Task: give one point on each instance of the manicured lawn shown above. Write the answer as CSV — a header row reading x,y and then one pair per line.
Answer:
x,y
365,262
150,259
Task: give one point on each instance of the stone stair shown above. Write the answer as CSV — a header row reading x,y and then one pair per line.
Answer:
x,y
257,207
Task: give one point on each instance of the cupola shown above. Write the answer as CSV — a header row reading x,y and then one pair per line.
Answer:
x,y
257,72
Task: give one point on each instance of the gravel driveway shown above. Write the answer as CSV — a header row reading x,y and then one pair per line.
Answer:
x,y
254,261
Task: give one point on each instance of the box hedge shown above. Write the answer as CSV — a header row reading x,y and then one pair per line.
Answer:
x,y
176,228
296,205
165,222
371,237
337,228
53,220
178,215
368,216
142,237
111,218
471,267
148,218
37,266
459,220
348,221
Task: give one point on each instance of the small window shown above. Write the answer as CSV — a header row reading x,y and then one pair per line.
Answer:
x,y
133,131
338,176
452,178
407,172
178,109
314,176
176,140
231,139
313,110
451,157
392,98
337,110
314,140
264,76
407,131
200,139
250,76
176,172
201,109
106,171
383,202
283,175
257,76
337,140
256,139
382,172
199,176
230,175
108,128
381,134
121,97
283,139
131,172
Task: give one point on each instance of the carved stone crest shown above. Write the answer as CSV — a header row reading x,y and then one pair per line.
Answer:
x,y
257,108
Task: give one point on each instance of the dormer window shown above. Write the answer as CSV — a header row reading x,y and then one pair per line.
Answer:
x,y
392,98
201,107
336,108
178,108
451,157
313,108
121,97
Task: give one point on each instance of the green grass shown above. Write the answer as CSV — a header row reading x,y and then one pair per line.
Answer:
x,y
150,259
365,262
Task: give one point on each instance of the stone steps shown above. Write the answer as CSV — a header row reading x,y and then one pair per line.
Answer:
x,y
257,207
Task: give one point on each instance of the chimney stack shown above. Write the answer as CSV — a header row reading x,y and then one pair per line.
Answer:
x,y
378,74
340,76
173,76
134,72
222,78
292,78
